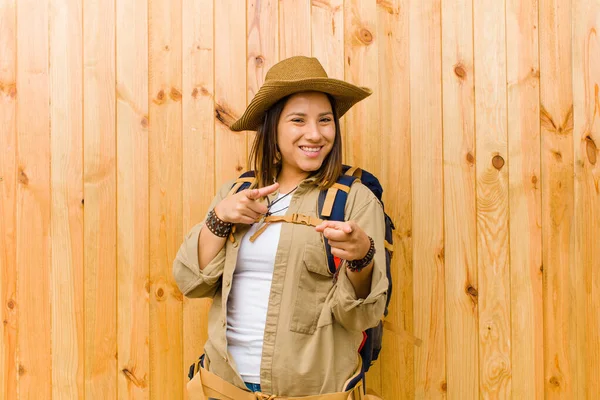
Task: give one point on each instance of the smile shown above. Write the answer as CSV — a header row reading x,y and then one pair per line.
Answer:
x,y
310,149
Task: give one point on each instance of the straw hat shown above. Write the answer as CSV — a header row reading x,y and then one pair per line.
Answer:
x,y
294,75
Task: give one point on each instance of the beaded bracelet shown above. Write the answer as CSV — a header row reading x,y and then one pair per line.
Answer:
x,y
217,226
359,265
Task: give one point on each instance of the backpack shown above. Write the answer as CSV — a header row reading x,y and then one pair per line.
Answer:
x,y
331,205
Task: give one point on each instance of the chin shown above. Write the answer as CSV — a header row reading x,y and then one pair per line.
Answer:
x,y
311,167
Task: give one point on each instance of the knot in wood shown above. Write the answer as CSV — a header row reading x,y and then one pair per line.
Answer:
x,y
23,178
365,36
472,291
470,158
260,60
11,304
175,94
460,71
591,150
498,162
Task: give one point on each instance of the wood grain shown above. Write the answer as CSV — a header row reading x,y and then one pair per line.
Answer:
x,y
397,358
262,26
198,152
8,199
34,359
294,28
327,31
165,177
556,118
230,88
66,133
493,248
427,198
586,137
460,201
100,199
361,68
133,280
525,223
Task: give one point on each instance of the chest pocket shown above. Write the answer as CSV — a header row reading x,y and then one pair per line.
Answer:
x,y
314,284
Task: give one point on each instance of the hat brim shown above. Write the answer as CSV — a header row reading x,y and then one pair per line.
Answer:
x,y
344,93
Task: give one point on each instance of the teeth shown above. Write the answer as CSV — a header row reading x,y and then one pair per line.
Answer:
x,y
311,149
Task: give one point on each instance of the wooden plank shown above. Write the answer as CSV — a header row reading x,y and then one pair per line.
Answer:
x,y
8,204
527,339
397,357
460,202
230,88
361,122
362,68
327,31
165,177
556,115
132,199
66,133
294,28
262,47
198,151
586,139
493,255
34,362
427,198
100,180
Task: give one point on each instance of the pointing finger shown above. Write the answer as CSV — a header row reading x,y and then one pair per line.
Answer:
x,y
267,190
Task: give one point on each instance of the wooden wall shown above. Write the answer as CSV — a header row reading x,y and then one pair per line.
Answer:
x,y
484,128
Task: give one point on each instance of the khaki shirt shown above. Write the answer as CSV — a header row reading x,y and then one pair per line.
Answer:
x,y
314,326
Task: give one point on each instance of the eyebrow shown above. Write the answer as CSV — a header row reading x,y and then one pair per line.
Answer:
x,y
304,115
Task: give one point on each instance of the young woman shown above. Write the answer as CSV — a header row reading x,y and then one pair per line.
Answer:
x,y
280,324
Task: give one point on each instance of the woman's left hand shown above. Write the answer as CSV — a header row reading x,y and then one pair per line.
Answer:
x,y
347,240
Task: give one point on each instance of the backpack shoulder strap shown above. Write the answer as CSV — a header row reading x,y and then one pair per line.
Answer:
x,y
245,180
332,203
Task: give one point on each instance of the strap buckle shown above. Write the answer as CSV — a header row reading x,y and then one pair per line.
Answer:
x,y
300,219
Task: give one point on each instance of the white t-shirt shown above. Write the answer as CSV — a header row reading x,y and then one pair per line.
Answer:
x,y
249,296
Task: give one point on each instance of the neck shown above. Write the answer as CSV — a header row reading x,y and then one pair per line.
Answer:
x,y
288,180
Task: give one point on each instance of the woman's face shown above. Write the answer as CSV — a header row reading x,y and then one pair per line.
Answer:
x,y
305,132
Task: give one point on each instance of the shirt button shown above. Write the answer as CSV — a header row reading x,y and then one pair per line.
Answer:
x,y
224,324
227,283
226,359
235,244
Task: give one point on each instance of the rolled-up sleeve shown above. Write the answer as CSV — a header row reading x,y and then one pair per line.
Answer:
x,y
192,281
353,313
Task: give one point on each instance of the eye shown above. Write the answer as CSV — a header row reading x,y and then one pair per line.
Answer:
x,y
326,119
297,120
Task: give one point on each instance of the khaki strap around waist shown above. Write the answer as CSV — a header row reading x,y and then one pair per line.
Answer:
x,y
214,386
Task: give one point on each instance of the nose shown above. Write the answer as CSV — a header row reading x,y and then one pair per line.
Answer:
x,y
313,132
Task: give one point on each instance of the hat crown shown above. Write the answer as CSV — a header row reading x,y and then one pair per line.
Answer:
x,y
295,68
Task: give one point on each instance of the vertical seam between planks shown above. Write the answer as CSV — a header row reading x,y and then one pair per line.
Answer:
x,y
116,195
507,156
478,307
16,195
83,263
443,192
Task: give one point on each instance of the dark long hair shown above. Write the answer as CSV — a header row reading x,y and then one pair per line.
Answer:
x,y
265,154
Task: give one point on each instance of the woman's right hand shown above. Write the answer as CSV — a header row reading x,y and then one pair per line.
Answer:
x,y
244,207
